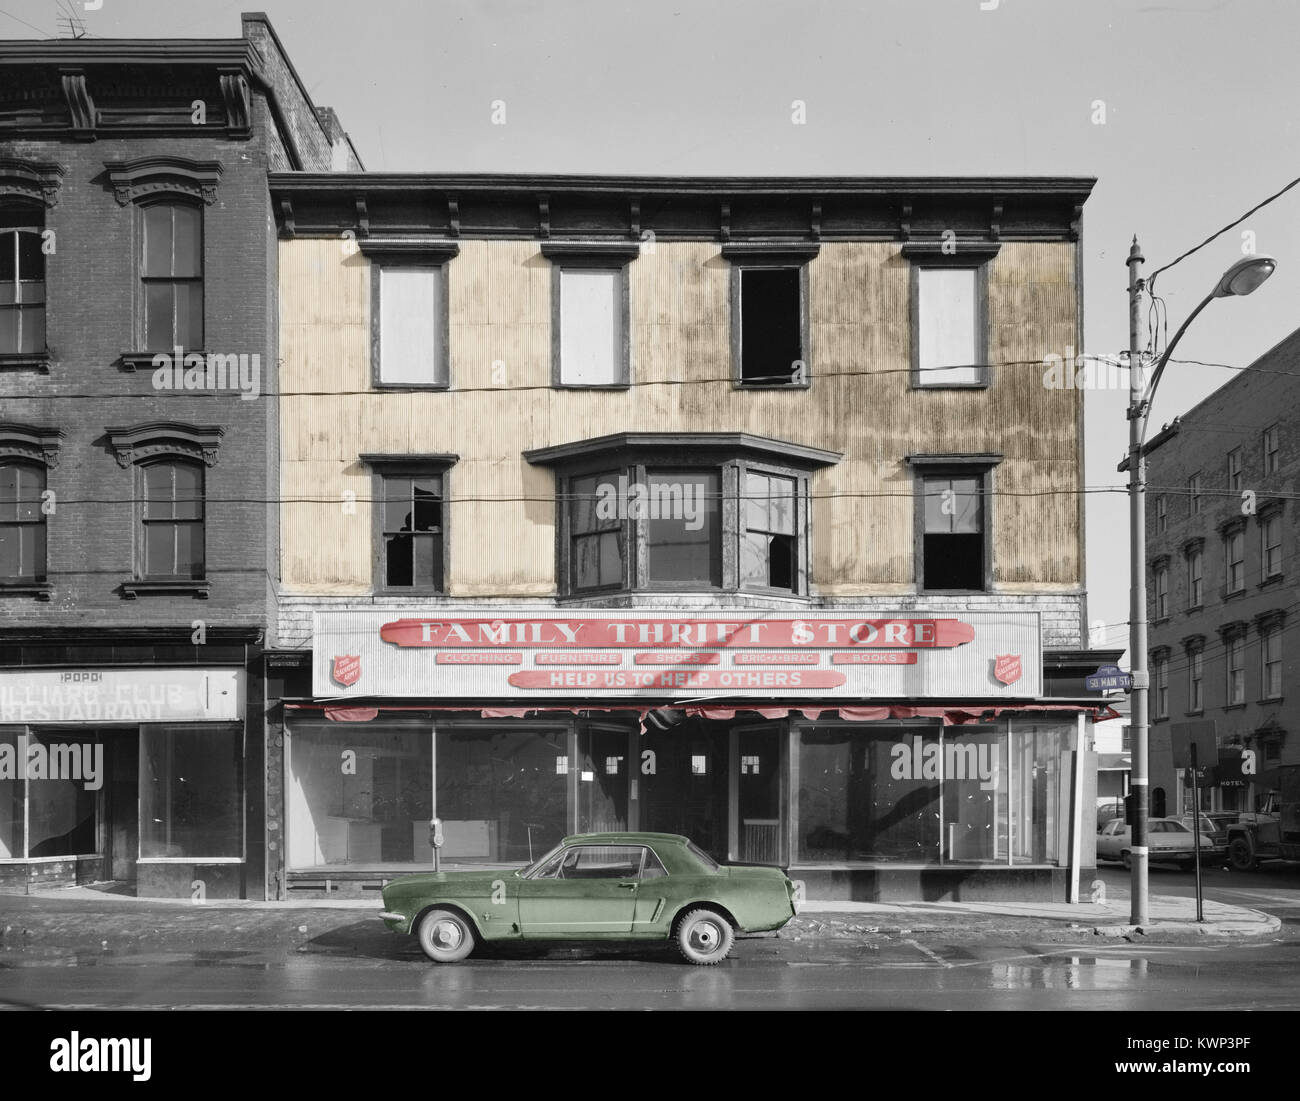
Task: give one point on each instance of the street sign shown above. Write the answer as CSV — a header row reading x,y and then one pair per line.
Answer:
x,y
1108,676
1182,736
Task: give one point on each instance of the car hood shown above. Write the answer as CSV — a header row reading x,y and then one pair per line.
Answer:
x,y
446,881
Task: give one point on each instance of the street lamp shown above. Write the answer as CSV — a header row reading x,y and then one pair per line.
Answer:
x,y
1243,277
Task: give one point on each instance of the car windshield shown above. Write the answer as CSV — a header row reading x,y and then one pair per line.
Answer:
x,y
526,872
703,857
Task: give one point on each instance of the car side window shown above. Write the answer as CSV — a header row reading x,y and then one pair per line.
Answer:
x,y
602,862
652,868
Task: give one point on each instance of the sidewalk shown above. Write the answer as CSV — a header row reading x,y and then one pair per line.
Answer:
x,y
86,919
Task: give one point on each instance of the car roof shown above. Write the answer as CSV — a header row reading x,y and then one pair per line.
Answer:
x,y
626,838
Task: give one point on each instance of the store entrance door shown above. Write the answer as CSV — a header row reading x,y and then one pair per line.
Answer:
x,y
121,803
758,817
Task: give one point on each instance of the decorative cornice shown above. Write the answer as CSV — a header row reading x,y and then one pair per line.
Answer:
x,y
33,443
983,458
725,208
682,444
770,252
952,251
80,106
436,249
1194,544
35,180
604,253
237,98
1192,643
145,441
134,179
393,460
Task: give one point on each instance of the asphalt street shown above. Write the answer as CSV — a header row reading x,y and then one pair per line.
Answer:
x,y
365,967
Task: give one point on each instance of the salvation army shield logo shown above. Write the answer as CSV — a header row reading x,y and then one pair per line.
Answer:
x,y
1006,667
346,669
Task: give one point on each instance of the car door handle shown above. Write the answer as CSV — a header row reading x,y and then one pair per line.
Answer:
x,y
628,886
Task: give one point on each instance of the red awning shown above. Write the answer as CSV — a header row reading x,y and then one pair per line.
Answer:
x,y
951,716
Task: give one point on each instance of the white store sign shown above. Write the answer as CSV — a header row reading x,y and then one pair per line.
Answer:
x,y
121,695
488,653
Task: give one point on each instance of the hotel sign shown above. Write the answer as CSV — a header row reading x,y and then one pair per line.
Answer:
x,y
508,654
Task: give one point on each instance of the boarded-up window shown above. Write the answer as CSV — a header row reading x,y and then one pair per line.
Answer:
x,y
410,340
591,327
953,539
948,327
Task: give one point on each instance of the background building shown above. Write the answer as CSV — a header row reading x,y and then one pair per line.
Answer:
x,y
138,461
1222,534
731,507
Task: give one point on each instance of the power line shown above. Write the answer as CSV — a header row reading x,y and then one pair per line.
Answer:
x,y
1151,279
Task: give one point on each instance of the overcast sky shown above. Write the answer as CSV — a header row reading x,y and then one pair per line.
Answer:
x,y
1200,110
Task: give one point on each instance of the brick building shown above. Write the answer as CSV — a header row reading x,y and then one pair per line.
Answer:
x,y
728,507
1222,536
138,451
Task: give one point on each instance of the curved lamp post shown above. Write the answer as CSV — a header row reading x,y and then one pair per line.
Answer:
x,y
1241,279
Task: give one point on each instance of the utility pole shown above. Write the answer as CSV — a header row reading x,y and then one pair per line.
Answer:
x,y
1137,615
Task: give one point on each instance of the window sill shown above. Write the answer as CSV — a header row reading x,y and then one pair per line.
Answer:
x,y
1235,706
25,361
408,592
182,587
1234,594
1197,711
615,386
984,385
139,361
750,384
41,590
408,386
1269,700
1269,582
1195,608
1160,620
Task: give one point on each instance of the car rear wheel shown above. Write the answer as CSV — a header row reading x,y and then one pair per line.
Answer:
x,y
1241,855
445,936
704,937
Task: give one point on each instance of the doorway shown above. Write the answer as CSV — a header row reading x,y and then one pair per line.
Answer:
x,y
757,811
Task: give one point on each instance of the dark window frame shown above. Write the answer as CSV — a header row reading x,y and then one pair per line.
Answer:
x,y
144,521
1268,515
1194,551
591,256
38,447
1235,474
141,445
143,280
383,467
1271,442
975,256
1194,493
33,213
1230,532
953,466
638,455
768,256
419,253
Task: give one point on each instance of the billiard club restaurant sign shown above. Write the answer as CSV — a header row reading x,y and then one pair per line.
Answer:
x,y
478,653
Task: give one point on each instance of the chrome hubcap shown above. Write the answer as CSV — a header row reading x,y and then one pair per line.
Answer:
x,y
705,936
446,935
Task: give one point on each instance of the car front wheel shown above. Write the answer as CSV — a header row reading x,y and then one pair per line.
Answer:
x,y
445,936
704,937
1240,855
1127,859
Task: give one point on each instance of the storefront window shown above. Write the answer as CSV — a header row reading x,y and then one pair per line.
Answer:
x,y
867,796
11,798
63,773
1035,791
359,794
951,795
190,792
975,796
503,792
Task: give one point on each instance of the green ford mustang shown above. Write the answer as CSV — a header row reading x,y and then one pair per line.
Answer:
x,y
595,886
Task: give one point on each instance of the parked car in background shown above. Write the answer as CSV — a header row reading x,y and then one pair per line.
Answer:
x,y
596,886
1167,840
1214,825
